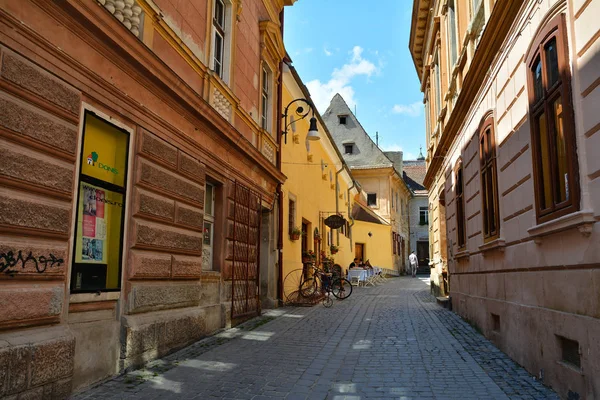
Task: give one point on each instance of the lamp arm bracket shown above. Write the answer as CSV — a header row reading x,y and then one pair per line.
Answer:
x,y
300,112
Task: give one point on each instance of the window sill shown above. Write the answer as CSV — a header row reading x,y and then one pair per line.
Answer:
x,y
570,366
496,244
89,297
462,254
582,220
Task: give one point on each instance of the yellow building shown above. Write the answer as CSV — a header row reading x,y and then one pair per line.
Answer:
x,y
319,184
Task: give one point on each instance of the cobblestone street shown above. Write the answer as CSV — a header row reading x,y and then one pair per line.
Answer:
x,y
387,342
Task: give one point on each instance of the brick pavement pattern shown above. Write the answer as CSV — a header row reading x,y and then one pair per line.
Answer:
x,y
386,342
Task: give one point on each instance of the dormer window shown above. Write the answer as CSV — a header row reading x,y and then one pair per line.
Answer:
x,y
348,148
342,119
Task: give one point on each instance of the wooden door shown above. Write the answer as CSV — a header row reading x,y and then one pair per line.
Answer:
x,y
359,250
423,253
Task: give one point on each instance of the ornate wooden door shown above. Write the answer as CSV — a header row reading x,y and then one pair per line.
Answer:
x,y
245,254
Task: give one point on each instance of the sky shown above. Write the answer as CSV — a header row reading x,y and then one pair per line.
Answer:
x,y
359,48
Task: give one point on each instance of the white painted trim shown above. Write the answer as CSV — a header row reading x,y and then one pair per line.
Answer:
x,y
129,185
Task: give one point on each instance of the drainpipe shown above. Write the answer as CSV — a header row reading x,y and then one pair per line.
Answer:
x,y
337,199
279,185
350,211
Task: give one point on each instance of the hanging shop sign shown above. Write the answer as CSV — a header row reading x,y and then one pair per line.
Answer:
x,y
335,221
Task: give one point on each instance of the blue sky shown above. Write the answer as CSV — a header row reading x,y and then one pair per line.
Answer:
x,y
359,48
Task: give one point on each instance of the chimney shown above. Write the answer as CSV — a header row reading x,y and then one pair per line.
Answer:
x,y
396,158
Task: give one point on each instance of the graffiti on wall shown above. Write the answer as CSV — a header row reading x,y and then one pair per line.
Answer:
x,y
10,262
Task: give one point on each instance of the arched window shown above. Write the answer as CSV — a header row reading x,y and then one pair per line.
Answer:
x,y
489,179
554,151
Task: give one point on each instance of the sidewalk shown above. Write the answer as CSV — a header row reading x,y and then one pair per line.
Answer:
x,y
386,342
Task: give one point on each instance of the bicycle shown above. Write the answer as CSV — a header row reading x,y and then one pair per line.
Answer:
x,y
325,283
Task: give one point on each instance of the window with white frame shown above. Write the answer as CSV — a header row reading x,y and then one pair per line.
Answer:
x,y
437,86
423,215
209,225
427,118
452,36
266,96
474,7
221,38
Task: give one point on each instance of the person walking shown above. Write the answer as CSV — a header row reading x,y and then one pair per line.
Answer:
x,y
414,263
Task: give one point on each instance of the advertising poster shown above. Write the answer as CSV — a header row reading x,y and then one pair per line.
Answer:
x,y
93,229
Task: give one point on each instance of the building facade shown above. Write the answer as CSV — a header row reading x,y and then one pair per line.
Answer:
x,y
319,184
138,179
512,99
413,173
380,178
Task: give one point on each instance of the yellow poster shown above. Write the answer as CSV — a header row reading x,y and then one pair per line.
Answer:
x,y
104,151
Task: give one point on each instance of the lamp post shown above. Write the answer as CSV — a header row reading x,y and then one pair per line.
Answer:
x,y
313,132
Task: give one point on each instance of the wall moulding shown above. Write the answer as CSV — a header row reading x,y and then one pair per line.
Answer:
x,y
146,68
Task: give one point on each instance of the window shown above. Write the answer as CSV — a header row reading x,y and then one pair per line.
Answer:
x,y
570,352
474,7
460,207
342,119
291,216
427,120
265,116
452,42
372,199
489,180
101,207
394,240
209,226
348,148
423,216
552,125
219,37
438,87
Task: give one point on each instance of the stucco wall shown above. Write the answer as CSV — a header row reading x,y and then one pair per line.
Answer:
x,y
541,282
311,182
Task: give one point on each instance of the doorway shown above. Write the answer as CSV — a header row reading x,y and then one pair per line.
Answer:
x,y
423,253
359,251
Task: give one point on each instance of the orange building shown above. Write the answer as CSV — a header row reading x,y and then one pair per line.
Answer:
x,y
140,165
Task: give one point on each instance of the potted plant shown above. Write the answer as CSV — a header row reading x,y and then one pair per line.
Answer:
x,y
333,249
295,233
308,257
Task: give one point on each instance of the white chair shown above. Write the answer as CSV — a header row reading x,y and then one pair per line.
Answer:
x,y
355,276
370,278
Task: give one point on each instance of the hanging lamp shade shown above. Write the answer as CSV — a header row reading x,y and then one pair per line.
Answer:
x,y
313,132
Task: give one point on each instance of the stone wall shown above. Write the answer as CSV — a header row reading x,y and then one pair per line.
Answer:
x,y
38,138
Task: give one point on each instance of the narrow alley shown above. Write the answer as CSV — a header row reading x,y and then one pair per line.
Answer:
x,y
387,342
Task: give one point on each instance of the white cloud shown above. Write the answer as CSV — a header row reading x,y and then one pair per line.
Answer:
x,y
412,110
327,52
322,92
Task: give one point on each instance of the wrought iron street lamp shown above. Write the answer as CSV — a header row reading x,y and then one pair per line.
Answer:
x,y
313,132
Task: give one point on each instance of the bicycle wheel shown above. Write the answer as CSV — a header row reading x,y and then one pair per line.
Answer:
x,y
292,284
341,288
327,301
309,286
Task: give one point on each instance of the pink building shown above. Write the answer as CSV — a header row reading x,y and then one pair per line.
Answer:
x,y
512,96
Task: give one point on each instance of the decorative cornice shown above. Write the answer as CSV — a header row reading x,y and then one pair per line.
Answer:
x,y
271,42
111,39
